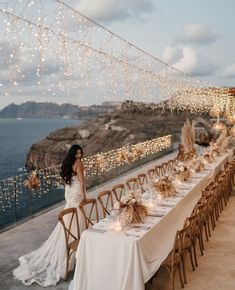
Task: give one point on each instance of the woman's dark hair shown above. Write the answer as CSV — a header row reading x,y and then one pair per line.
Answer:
x,y
66,171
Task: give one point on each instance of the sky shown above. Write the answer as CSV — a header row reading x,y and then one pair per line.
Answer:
x,y
196,37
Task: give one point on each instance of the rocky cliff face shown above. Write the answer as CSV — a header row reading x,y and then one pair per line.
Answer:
x,y
128,125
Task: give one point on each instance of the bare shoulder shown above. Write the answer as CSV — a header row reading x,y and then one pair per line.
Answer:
x,y
79,164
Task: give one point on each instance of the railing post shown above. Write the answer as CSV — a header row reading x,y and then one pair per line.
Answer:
x,y
30,203
15,198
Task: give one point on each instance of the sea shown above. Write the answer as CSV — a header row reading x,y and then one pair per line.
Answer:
x,y
17,136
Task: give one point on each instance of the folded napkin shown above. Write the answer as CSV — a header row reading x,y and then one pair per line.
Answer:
x,y
167,204
156,214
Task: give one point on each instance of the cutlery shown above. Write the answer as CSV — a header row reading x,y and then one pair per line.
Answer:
x,y
140,227
156,214
166,205
131,235
96,230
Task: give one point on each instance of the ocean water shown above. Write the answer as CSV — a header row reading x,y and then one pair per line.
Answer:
x,y
17,136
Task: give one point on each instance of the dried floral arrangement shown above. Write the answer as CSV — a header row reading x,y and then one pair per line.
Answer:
x,y
222,142
200,166
188,137
100,162
132,209
32,182
164,186
197,165
208,156
183,172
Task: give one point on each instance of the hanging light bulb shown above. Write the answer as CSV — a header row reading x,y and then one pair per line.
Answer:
x,y
214,113
231,118
218,127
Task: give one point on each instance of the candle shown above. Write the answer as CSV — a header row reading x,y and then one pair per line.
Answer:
x,y
150,204
117,226
111,225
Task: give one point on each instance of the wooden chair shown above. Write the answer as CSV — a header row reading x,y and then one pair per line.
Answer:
x,y
204,218
132,183
187,246
196,233
118,190
210,211
89,210
158,171
164,168
106,200
142,179
174,260
170,165
151,174
69,218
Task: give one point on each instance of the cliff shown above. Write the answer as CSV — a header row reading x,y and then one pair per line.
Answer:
x,y
127,125
52,110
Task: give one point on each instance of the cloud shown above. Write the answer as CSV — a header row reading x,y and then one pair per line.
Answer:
x,y
198,34
229,72
172,54
186,59
114,10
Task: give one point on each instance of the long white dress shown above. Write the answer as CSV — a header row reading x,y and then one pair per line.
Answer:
x,y
46,265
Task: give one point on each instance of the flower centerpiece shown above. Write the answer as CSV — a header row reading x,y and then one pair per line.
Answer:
x,y
208,156
164,186
186,147
132,209
183,172
200,166
197,165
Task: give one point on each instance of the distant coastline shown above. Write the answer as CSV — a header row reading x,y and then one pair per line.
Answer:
x,y
46,110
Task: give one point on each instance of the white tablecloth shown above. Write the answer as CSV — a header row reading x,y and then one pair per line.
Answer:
x,y
115,261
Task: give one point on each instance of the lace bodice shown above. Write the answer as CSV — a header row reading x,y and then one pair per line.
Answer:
x,y
72,193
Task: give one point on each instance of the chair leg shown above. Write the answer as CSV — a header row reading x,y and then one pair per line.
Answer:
x,y
191,258
206,233
172,276
201,238
180,275
200,244
183,267
208,225
67,268
213,219
195,254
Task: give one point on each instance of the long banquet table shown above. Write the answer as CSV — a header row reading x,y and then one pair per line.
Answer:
x,y
128,259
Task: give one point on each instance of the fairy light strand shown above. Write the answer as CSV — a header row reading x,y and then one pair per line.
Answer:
x,y
12,189
132,73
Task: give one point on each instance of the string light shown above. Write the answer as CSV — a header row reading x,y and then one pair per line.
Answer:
x,y
11,189
86,57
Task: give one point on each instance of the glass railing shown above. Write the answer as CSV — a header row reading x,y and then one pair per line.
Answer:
x,y
18,202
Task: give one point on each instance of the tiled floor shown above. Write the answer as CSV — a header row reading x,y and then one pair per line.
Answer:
x,y
216,268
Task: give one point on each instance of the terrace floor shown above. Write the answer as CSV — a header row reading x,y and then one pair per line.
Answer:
x,y
216,268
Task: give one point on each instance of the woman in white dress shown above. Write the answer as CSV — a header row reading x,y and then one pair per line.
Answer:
x,y
46,265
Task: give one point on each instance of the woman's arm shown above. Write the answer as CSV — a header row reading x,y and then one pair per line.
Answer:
x,y
80,175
